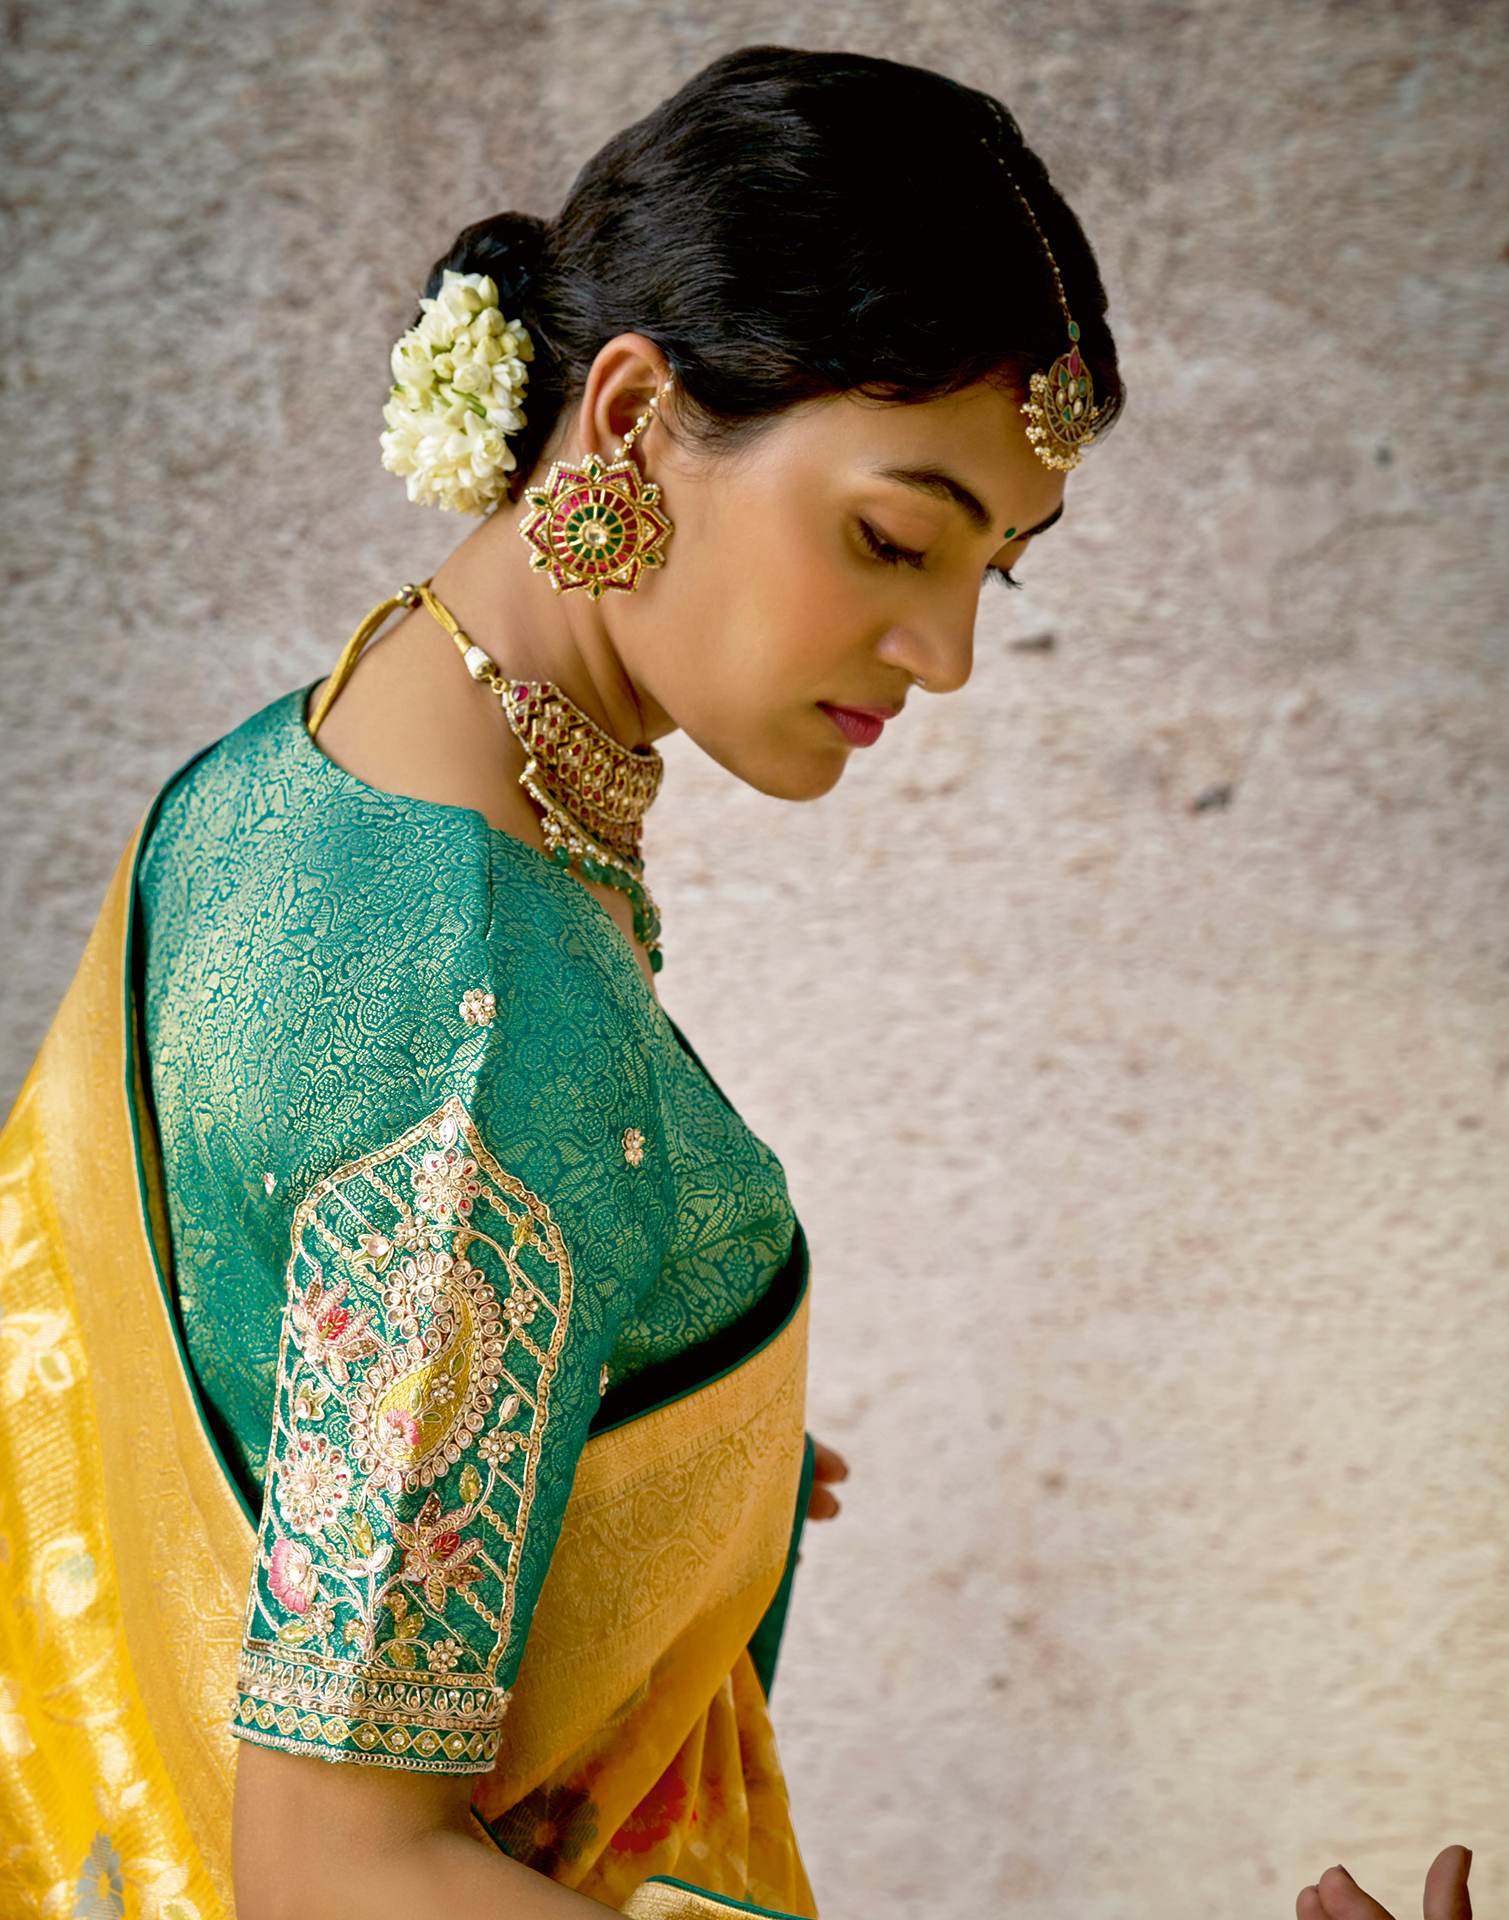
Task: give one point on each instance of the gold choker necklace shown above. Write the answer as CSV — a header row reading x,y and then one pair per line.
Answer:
x,y
593,792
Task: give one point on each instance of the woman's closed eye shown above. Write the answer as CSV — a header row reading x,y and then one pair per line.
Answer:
x,y
886,550
893,556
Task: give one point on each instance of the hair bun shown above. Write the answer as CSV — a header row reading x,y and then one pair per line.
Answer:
x,y
509,247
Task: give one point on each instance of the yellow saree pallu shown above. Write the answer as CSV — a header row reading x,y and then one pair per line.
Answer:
x,y
638,1763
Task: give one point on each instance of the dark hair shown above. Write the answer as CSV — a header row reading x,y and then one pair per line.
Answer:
x,y
791,224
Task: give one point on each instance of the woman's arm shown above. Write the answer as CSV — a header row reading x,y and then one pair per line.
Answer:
x,y
349,1841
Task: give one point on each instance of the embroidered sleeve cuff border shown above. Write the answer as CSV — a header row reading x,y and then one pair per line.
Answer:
x,y
332,1737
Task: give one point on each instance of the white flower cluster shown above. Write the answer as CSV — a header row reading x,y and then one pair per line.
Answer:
x,y
459,376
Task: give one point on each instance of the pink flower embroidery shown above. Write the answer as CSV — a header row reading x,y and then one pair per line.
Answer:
x,y
400,1421
332,1336
291,1574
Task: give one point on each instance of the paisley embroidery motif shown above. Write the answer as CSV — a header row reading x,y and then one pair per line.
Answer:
x,y
428,1296
307,941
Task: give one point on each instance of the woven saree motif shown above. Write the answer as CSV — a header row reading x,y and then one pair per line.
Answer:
x,y
428,1297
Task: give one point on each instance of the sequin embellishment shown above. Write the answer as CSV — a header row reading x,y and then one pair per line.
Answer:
x,y
427,1302
478,1007
633,1146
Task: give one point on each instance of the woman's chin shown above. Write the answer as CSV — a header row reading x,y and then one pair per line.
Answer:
x,y
787,769
800,773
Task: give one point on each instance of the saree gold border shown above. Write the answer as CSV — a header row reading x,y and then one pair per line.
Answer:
x,y
179,1537
659,1899
718,1472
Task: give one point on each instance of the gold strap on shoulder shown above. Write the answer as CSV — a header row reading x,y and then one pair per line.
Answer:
x,y
407,596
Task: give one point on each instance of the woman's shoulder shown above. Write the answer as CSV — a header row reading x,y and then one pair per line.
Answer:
x,y
206,792
316,903
261,814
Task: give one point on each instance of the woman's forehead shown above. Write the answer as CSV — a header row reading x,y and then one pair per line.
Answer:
x,y
967,450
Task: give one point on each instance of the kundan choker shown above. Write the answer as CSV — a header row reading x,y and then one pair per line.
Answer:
x,y
592,791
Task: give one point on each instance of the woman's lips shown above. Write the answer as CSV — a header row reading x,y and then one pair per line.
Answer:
x,y
859,728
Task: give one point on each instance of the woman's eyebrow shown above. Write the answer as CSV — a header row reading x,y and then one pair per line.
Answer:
x,y
943,485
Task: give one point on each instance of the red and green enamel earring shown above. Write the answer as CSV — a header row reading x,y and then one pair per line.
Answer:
x,y
596,523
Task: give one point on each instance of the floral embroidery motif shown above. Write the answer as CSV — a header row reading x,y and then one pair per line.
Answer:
x,y
420,1405
314,1484
428,1294
100,1893
478,1007
652,1820
434,1554
39,1355
290,1574
548,1827
331,1338
633,1146
445,1187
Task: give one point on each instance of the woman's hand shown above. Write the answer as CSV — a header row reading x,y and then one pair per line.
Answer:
x,y
821,1504
1337,1896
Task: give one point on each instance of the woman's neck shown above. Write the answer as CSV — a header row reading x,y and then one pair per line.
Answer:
x,y
535,633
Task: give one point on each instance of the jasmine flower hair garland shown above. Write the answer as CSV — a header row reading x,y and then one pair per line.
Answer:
x,y
459,376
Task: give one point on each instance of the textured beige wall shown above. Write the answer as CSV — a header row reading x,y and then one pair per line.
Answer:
x,y
1132,1024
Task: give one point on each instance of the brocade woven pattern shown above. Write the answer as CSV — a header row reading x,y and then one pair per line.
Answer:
x,y
384,1039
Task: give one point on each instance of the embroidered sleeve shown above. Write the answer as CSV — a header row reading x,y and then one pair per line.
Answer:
x,y
438,1368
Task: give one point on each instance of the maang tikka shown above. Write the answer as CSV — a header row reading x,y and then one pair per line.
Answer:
x,y
1061,405
596,524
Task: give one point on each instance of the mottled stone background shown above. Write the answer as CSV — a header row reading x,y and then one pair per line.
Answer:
x,y
1132,1025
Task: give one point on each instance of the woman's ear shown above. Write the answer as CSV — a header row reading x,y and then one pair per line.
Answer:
x,y
624,378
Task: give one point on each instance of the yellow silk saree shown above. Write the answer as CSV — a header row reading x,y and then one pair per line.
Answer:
x,y
638,1763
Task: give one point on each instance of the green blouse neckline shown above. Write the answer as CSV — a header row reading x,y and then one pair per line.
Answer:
x,y
497,836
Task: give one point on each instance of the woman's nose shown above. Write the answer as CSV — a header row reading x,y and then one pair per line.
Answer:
x,y
942,658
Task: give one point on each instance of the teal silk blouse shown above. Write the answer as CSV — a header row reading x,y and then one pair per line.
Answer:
x,y
441,1175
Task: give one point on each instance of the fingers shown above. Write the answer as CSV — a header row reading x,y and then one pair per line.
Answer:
x,y
1337,1896
1446,1895
821,1504
827,1464
1342,1899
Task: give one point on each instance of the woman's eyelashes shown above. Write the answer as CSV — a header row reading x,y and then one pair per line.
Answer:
x,y
892,556
884,550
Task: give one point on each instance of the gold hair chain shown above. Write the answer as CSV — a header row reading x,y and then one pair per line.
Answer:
x,y
1061,402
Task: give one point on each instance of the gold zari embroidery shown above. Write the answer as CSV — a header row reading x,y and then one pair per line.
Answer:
x,y
428,1295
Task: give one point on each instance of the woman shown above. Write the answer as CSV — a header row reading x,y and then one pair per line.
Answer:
x,y
407,1468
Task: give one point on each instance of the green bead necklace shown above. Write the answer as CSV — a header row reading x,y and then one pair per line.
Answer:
x,y
592,791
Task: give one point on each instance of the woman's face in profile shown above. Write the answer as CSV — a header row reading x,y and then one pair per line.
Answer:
x,y
772,599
